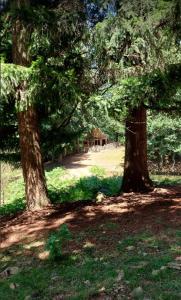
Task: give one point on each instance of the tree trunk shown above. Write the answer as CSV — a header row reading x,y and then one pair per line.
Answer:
x,y
136,176
31,158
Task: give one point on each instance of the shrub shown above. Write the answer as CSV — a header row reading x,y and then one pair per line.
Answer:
x,y
12,208
164,135
56,241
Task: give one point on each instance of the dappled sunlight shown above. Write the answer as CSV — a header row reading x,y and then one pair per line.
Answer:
x,y
34,244
132,212
120,235
44,255
29,231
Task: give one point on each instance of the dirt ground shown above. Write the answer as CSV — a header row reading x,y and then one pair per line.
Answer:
x,y
100,224
131,212
110,159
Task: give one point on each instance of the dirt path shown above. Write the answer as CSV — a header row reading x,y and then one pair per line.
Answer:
x,y
110,159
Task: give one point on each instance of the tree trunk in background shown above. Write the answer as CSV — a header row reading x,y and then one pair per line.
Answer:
x,y
136,176
31,158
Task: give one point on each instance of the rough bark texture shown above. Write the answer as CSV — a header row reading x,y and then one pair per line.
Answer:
x,y
31,158
136,176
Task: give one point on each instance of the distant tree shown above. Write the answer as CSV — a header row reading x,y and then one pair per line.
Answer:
x,y
137,41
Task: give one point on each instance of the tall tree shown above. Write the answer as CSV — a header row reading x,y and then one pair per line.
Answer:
x,y
31,157
132,43
136,176
47,78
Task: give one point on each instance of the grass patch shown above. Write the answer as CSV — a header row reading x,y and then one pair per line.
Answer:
x,y
81,275
62,188
166,180
85,188
17,205
98,171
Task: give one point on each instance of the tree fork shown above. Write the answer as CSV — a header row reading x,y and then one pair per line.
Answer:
x,y
136,175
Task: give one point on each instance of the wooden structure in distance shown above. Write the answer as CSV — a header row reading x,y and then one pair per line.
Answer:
x,y
95,138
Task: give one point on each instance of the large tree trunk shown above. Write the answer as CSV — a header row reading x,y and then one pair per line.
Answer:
x,y
31,158
136,176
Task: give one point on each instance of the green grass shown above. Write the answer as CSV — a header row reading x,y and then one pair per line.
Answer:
x,y
63,188
81,275
165,180
98,171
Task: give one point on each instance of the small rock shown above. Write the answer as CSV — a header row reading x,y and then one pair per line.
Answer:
x,y
120,276
130,248
28,297
88,245
13,286
102,289
137,292
155,272
9,271
163,268
100,197
87,282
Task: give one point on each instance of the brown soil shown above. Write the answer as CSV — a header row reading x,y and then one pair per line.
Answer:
x,y
131,213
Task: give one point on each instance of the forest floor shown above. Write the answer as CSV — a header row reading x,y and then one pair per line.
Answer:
x,y
125,247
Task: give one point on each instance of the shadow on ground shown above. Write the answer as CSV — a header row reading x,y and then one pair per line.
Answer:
x,y
130,212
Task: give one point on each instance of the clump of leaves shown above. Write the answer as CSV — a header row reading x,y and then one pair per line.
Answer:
x,y
56,241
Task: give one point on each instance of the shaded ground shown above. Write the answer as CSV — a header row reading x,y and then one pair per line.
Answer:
x,y
133,237
133,212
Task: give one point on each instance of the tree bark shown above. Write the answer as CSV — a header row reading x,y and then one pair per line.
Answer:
x,y
136,175
31,158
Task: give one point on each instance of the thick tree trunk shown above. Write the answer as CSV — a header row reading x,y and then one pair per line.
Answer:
x,y
31,158
136,176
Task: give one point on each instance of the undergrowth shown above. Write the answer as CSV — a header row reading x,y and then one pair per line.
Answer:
x,y
63,188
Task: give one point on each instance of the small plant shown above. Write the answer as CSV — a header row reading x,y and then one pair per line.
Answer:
x,y
56,240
